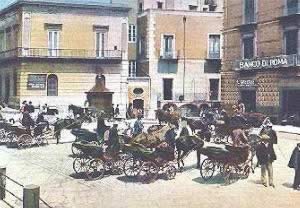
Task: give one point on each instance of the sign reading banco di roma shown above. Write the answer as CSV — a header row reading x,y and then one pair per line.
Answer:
x,y
265,63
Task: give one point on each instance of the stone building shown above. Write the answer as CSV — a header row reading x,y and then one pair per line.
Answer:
x,y
52,51
261,55
179,49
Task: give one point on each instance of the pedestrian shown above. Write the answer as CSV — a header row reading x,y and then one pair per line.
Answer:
x,y
138,126
184,130
266,156
295,163
30,107
22,108
270,132
117,111
241,107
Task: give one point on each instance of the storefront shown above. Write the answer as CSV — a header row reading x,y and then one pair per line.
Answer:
x,y
269,85
247,88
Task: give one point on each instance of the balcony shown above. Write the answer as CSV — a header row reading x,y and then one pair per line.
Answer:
x,y
106,55
275,62
169,55
213,55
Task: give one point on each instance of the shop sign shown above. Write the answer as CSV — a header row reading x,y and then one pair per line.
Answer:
x,y
36,81
246,83
266,63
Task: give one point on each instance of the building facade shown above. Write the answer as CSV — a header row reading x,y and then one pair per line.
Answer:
x,y
179,49
261,55
52,51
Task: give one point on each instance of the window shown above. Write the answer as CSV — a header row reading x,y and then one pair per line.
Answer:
x,y
291,42
248,46
159,5
52,85
292,6
2,39
7,88
168,89
214,47
100,44
132,68
168,45
53,43
8,39
141,7
132,33
211,4
249,11
193,8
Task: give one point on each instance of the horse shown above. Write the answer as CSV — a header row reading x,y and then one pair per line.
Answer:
x,y
167,117
185,145
61,124
81,112
152,139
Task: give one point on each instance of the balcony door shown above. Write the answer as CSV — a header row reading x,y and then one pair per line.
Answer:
x,y
100,44
168,45
53,43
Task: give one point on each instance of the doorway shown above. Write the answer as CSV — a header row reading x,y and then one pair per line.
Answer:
x,y
248,97
290,101
168,89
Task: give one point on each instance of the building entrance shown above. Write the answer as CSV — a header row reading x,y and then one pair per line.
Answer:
x,y
248,97
290,101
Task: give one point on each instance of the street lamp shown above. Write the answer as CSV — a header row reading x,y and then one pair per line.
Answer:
x,y
183,90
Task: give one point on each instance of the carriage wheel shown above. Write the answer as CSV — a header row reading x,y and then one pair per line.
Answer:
x,y
3,138
11,139
80,165
132,167
207,169
230,173
148,172
39,140
117,168
246,171
75,150
171,172
95,170
25,140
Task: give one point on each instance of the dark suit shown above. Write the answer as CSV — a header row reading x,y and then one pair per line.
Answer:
x,y
266,156
295,163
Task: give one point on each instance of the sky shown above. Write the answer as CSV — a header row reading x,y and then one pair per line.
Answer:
x,y
5,3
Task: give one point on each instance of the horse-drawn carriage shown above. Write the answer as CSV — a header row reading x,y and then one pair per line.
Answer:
x,y
146,164
231,162
94,161
22,137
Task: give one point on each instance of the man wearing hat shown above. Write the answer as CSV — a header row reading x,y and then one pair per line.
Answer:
x,y
266,156
270,132
295,163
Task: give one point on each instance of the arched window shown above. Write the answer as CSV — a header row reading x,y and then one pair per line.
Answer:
x,y
52,85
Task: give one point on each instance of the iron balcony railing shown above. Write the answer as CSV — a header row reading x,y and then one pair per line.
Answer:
x,y
61,53
292,8
168,55
213,55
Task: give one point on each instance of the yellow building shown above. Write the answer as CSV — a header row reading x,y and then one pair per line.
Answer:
x,y
52,51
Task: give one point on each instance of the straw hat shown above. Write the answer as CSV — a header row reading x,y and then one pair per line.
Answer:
x,y
264,137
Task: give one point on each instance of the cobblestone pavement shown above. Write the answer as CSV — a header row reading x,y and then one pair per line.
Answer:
x,y
51,168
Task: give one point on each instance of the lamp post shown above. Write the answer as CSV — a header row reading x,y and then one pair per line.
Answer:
x,y
183,84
